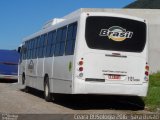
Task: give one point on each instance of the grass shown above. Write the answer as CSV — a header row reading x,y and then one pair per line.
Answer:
x,y
152,100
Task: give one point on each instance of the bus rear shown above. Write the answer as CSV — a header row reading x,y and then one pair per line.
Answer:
x,y
111,56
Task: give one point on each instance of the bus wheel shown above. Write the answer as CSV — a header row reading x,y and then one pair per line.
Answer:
x,y
26,89
47,94
23,79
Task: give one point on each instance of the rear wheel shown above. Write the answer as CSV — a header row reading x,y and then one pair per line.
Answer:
x,y
23,79
26,89
47,94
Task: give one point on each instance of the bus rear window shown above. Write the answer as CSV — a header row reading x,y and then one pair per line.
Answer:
x,y
117,34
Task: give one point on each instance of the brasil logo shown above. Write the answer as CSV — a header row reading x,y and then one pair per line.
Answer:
x,y
116,33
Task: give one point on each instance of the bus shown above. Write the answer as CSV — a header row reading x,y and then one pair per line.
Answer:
x,y
87,53
9,65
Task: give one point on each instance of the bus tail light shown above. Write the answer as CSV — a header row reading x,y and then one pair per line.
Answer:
x,y
80,74
146,72
147,67
80,62
80,69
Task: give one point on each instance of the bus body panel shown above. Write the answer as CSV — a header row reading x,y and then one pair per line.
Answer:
x,y
132,80
101,67
128,69
61,86
48,67
48,71
63,68
62,74
34,72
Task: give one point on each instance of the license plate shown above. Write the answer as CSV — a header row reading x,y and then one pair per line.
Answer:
x,y
114,77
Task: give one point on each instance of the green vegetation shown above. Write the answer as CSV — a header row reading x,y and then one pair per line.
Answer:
x,y
152,100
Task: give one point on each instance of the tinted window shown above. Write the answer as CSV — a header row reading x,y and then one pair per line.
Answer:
x,y
48,44
60,41
28,49
35,48
41,45
45,44
119,34
51,43
24,51
71,37
32,48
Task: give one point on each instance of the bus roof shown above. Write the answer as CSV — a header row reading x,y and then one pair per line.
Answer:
x,y
106,10
77,13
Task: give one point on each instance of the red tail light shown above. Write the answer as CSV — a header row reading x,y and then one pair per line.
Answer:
x,y
80,62
146,78
146,73
147,67
147,70
81,69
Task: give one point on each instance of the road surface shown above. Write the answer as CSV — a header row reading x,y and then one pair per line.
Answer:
x,y
14,100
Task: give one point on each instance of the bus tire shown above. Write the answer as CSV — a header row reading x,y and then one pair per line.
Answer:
x,y
23,79
26,89
47,94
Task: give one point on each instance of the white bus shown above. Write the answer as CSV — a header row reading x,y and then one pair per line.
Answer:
x,y
87,53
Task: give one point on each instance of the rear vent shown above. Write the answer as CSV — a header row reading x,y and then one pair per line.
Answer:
x,y
52,22
94,80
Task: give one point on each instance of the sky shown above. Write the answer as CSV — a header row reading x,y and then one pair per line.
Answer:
x,y
20,18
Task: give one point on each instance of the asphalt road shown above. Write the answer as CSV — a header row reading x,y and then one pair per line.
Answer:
x,y
14,100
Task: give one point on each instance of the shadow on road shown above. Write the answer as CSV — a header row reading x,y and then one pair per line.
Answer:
x,y
8,81
97,102
87,102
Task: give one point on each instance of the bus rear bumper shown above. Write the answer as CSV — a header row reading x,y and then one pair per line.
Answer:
x,y
111,89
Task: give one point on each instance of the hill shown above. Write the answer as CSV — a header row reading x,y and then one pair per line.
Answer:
x,y
145,4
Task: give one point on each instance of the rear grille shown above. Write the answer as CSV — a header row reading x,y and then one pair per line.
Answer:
x,y
94,80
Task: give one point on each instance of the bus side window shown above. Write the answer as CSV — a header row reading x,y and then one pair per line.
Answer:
x,y
34,48
20,51
57,46
45,43
60,41
41,44
53,42
30,49
23,51
48,48
38,46
71,37
74,36
27,55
